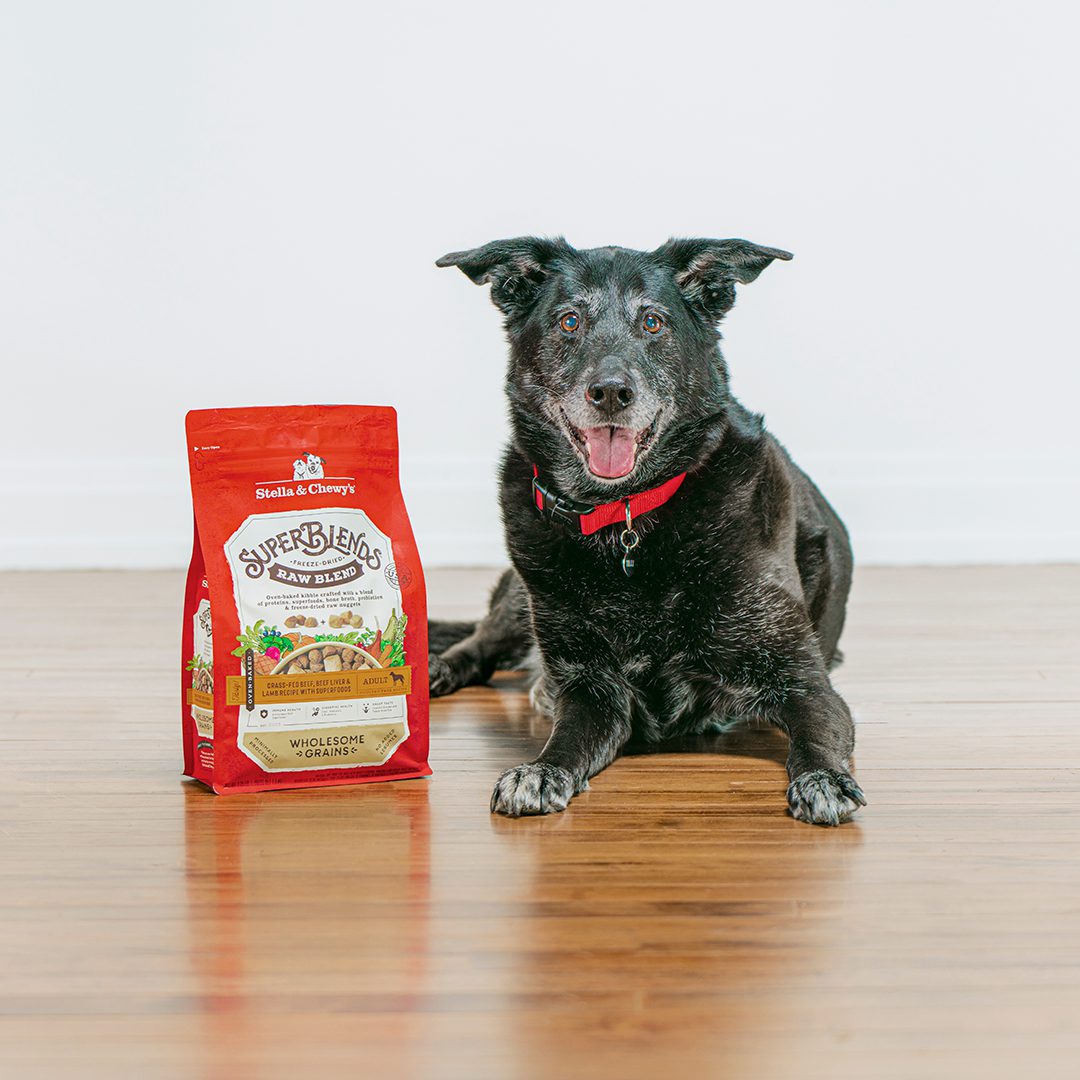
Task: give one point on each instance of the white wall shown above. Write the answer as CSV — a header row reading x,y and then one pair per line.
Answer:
x,y
240,202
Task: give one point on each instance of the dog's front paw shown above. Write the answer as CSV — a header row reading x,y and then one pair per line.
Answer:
x,y
824,796
441,678
532,789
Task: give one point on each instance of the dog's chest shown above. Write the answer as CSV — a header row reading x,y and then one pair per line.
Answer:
x,y
687,631
692,641
674,630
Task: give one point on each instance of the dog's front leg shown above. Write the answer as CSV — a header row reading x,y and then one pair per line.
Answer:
x,y
591,725
822,791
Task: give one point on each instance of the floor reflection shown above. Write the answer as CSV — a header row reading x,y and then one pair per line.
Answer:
x,y
303,901
630,941
640,910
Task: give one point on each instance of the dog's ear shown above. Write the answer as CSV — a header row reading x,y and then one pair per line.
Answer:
x,y
706,271
515,268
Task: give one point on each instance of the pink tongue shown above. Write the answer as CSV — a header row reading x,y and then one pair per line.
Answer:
x,y
611,450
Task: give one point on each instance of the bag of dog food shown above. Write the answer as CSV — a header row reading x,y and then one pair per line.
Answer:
x,y
305,625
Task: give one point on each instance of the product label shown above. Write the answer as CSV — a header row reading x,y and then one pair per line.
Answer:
x,y
200,695
276,689
321,677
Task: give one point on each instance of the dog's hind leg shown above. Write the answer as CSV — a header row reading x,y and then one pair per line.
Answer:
x,y
442,634
502,639
824,561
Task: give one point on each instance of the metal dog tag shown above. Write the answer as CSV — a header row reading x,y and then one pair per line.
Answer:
x,y
629,540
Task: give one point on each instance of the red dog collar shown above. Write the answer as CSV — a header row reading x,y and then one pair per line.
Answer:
x,y
588,518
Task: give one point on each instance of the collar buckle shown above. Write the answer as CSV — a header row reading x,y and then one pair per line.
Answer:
x,y
558,507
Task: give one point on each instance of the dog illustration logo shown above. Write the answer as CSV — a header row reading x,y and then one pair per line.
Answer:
x,y
397,677
308,467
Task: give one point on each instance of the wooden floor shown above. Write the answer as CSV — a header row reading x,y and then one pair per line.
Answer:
x,y
675,922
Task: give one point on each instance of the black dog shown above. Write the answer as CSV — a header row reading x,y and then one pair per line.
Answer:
x,y
671,564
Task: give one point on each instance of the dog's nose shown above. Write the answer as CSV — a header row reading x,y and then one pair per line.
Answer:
x,y
610,390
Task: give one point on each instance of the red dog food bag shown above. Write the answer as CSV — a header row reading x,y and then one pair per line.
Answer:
x,y
305,620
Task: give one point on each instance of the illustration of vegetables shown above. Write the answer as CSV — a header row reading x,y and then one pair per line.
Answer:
x,y
353,637
388,648
397,645
262,638
251,638
385,646
203,677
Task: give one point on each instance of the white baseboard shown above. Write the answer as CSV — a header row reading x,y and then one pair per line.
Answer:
x,y
900,508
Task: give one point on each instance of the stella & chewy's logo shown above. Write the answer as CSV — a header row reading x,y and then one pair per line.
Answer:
x,y
282,556
308,478
308,467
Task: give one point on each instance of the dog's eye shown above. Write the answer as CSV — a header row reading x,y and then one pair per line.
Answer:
x,y
570,322
652,323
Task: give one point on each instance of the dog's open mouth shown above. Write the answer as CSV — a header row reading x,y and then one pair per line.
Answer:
x,y
611,451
